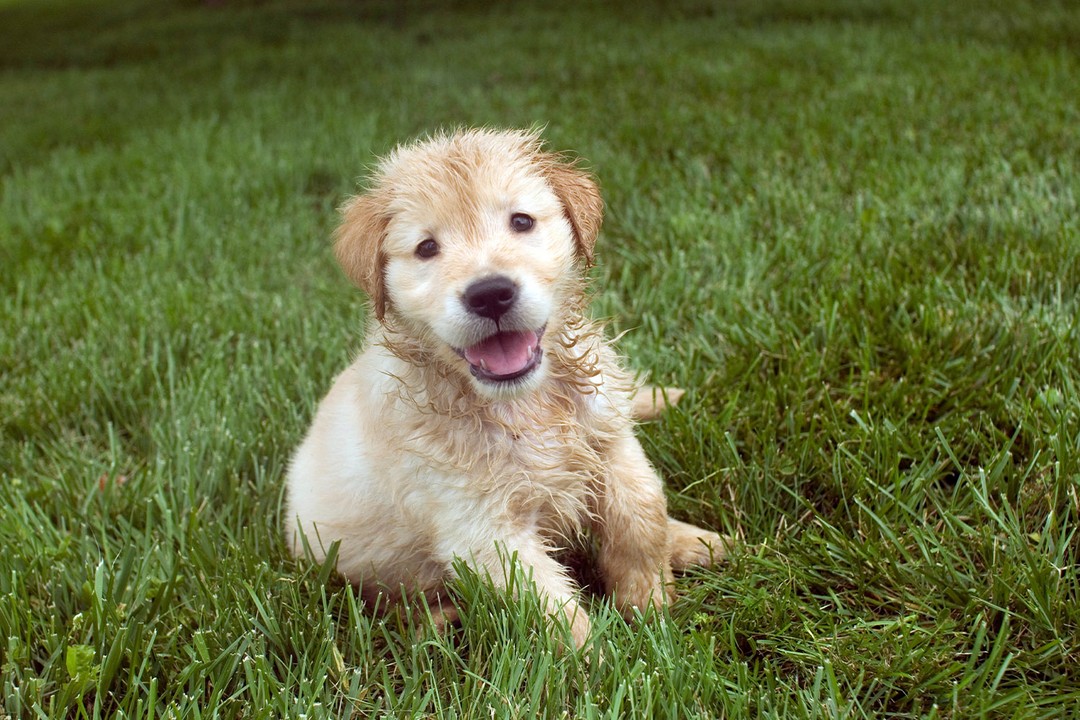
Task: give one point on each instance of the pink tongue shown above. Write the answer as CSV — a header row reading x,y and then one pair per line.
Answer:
x,y
504,353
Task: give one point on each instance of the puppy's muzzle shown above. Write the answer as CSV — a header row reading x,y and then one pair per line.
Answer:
x,y
509,354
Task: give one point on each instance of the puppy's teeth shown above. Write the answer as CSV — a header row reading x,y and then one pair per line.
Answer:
x,y
483,364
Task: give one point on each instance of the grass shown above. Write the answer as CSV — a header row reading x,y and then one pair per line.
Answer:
x,y
851,228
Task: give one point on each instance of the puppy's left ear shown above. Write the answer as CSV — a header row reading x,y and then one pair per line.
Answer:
x,y
580,197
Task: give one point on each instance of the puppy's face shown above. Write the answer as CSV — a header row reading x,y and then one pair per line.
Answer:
x,y
473,244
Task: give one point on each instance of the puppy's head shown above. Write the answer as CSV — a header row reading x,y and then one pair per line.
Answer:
x,y
473,243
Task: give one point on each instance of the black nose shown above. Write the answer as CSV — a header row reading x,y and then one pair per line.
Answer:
x,y
491,297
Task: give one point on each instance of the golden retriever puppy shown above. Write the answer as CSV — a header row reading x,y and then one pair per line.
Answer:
x,y
486,419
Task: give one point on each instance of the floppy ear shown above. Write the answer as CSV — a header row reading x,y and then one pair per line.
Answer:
x,y
358,245
581,201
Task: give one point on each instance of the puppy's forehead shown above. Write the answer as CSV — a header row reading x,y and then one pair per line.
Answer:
x,y
460,176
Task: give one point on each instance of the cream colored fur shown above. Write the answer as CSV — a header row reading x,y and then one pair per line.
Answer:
x,y
414,461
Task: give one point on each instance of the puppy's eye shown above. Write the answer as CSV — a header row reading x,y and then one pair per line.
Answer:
x,y
520,222
427,249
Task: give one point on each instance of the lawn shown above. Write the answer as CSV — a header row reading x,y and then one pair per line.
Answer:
x,y
850,228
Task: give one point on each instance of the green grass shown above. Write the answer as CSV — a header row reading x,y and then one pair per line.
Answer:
x,y
850,227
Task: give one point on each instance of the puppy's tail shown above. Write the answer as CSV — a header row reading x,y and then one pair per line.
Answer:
x,y
649,402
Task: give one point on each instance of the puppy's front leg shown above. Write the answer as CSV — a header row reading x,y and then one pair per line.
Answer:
x,y
531,557
632,529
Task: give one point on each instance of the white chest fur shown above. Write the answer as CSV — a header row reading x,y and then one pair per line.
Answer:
x,y
409,469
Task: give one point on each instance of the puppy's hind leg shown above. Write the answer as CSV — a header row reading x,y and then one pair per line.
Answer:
x,y
649,402
690,545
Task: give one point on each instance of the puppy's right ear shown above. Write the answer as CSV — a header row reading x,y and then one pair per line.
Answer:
x,y
358,245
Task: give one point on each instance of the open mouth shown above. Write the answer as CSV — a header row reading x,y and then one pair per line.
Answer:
x,y
505,356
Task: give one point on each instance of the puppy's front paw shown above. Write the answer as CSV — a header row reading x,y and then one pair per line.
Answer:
x,y
579,625
641,590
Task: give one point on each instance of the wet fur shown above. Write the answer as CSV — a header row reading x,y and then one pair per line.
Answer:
x,y
412,463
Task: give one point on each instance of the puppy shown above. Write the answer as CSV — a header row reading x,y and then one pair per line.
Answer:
x,y
486,420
